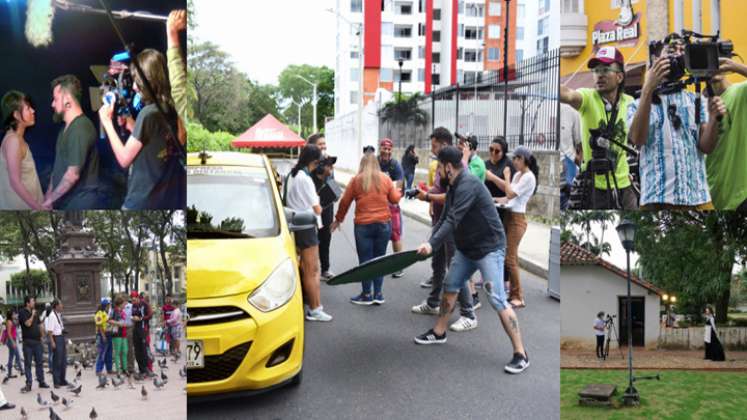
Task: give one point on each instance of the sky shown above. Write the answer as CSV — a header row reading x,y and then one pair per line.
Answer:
x,y
263,37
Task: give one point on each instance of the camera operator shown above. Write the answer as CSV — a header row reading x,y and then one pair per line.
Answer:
x,y
599,326
596,107
672,164
725,166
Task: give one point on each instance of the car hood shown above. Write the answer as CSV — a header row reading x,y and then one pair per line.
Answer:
x,y
225,267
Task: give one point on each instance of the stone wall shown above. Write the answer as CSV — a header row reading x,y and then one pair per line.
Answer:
x,y
732,338
545,203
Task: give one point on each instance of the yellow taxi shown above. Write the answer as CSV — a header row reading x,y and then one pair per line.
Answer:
x,y
245,326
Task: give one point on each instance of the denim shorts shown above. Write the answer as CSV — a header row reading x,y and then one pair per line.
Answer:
x,y
491,268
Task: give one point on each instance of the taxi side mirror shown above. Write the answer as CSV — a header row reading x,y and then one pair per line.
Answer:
x,y
299,220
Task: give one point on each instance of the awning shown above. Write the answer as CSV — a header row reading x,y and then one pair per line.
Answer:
x,y
268,132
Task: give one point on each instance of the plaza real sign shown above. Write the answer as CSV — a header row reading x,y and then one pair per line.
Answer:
x,y
609,31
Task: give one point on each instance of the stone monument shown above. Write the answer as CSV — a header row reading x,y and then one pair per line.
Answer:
x,y
78,286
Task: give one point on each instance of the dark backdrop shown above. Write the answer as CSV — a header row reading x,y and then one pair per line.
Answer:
x,y
79,41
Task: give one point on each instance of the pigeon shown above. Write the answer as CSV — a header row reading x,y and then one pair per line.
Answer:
x,y
41,401
77,390
53,415
164,377
55,397
183,372
144,393
24,416
163,364
87,365
76,365
103,382
93,413
67,403
116,382
78,375
158,383
5,381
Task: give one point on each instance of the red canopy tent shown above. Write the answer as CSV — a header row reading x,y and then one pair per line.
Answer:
x,y
268,132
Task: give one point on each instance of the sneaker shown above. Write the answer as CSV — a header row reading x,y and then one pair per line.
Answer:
x,y
476,301
43,385
319,315
464,324
430,337
518,363
398,274
427,284
327,275
378,299
26,389
425,309
362,299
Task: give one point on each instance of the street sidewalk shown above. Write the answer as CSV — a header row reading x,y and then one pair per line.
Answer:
x,y
534,249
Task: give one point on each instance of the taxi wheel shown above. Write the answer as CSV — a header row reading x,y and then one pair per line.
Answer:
x,y
296,381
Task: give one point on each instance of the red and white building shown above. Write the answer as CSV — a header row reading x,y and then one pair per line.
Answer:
x,y
440,43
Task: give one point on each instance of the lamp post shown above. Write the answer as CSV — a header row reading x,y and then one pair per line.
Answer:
x,y
505,70
298,105
626,231
359,34
314,98
400,80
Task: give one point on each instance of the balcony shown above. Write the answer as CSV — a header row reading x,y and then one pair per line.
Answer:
x,y
573,29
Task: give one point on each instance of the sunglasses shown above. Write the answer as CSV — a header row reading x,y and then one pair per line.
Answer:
x,y
495,150
676,120
599,70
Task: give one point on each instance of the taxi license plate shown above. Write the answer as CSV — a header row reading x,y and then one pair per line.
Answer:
x,y
195,354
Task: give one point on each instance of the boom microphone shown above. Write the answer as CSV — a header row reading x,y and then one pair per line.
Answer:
x,y
40,14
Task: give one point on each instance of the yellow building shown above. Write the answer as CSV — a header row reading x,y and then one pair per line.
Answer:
x,y
630,24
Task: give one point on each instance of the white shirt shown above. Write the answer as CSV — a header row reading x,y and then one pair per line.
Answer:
x,y
523,185
53,323
570,131
301,194
599,323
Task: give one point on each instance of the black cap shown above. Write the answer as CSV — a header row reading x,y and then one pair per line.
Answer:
x,y
450,154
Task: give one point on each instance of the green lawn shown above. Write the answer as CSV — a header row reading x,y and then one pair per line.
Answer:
x,y
679,395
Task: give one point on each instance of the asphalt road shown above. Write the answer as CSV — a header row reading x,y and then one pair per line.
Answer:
x,y
365,365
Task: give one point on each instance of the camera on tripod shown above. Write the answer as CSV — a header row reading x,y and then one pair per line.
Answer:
x,y
609,320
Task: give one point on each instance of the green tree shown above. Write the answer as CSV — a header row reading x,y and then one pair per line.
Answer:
x,y
692,255
404,110
32,282
291,87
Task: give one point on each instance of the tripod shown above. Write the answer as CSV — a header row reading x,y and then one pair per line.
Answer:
x,y
610,324
603,166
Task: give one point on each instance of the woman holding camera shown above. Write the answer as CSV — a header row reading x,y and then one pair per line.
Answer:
x,y
19,183
372,191
300,195
518,192
153,153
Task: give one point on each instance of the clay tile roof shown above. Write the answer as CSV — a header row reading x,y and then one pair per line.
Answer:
x,y
572,254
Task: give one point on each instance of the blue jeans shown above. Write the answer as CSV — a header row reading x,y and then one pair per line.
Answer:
x,y
50,353
59,360
491,268
370,242
104,358
13,354
409,177
32,349
569,171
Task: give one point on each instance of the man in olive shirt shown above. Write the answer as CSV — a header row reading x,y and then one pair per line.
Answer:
x,y
76,166
32,347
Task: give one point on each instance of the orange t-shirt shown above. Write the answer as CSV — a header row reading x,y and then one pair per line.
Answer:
x,y
371,206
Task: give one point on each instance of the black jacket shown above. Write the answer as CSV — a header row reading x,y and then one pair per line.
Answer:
x,y
469,213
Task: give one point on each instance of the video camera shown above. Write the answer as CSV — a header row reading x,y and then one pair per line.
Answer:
x,y
117,87
608,321
700,61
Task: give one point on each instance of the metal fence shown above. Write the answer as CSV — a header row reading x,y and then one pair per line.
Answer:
x,y
530,105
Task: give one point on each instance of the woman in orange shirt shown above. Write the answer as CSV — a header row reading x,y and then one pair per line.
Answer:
x,y
372,191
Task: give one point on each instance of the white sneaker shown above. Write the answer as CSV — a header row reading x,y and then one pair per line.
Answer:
x,y
318,314
427,283
464,324
425,309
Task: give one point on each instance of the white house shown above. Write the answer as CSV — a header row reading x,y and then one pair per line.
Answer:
x,y
588,285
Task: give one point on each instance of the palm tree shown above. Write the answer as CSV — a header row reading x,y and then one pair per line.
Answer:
x,y
404,111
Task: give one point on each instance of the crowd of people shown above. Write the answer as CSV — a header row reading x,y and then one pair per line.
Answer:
x,y
664,152
152,152
478,219
123,337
